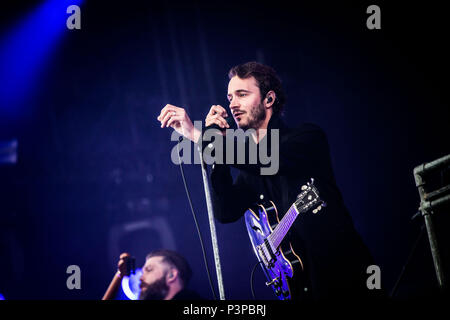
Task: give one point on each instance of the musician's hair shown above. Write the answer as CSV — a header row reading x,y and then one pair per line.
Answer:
x,y
267,80
175,260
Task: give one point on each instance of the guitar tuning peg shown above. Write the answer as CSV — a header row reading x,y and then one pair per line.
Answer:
x,y
312,181
304,187
315,211
319,208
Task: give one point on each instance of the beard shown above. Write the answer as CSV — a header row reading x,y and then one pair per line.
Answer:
x,y
156,291
255,118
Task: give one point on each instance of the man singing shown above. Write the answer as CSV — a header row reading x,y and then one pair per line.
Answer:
x,y
334,257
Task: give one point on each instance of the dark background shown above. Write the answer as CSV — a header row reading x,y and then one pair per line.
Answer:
x,y
94,175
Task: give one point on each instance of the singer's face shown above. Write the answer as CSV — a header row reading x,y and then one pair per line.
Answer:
x,y
245,102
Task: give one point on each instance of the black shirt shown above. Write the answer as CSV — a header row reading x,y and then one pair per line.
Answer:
x,y
335,256
187,294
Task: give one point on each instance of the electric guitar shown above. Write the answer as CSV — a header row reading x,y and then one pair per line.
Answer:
x,y
281,264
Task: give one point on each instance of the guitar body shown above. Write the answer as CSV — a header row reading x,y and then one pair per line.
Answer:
x,y
282,266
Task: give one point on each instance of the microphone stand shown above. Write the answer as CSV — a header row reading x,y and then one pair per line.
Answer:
x,y
212,224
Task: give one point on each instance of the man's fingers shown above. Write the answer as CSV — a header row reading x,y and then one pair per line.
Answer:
x,y
164,112
124,255
166,109
218,109
219,120
212,121
221,110
222,121
166,118
216,116
173,119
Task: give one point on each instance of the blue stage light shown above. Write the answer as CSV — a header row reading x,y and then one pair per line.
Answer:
x,y
130,285
26,47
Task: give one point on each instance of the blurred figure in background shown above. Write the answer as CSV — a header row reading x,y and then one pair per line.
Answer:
x,y
165,276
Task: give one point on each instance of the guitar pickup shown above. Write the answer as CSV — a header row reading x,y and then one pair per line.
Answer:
x,y
270,250
266,254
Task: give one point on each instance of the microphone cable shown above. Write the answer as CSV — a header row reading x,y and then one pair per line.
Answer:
x,y
251,279
181,138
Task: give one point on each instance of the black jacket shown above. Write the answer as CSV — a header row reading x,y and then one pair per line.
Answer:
x,y
187,294
334,255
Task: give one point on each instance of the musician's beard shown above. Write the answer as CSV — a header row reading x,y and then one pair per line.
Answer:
x,y
156,291
255,118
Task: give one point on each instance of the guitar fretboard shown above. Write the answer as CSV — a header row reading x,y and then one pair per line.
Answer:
x,y
283,227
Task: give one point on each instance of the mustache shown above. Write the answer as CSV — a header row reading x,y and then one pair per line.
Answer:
x,y
237,112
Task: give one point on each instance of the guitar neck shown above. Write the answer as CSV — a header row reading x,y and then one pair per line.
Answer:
x,y
280,231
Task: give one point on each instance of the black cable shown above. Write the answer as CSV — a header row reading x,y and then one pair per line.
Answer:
x,y
195,220
411,254
251,279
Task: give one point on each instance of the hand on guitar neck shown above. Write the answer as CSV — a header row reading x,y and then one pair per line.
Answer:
x,y
124,267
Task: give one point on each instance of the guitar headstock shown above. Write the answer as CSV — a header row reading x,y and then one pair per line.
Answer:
x,y
309,198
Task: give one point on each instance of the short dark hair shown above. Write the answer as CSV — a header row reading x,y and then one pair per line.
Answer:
x,y
175,260
267,80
